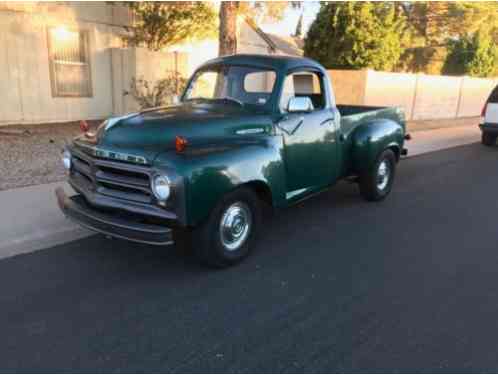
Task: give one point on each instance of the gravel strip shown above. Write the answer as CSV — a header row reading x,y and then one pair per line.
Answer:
x,y
31,154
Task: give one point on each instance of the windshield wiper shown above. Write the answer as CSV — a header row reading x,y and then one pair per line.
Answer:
x,y
225,99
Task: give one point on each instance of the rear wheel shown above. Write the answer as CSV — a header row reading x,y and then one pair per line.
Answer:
x,y
229,233
376,182
488,139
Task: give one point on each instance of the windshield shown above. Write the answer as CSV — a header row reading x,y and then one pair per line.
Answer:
x,y
237,85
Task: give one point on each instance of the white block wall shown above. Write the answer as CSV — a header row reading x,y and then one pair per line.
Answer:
x,y
423,97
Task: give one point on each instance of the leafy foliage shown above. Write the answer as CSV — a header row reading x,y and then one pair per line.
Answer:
x,y
161,24
433,28
428,34
265,11
475,55
160,93
355,35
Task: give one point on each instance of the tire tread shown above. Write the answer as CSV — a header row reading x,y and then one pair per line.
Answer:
x,y
368,179
206,247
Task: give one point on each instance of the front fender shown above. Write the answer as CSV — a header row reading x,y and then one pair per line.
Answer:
x,y
373,137
210,175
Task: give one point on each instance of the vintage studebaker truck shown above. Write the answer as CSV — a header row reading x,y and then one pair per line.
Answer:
x,y
249,131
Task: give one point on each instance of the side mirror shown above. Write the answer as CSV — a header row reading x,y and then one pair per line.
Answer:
x,y
300,104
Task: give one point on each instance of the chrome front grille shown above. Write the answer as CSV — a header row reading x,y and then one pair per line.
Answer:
x,y
115,179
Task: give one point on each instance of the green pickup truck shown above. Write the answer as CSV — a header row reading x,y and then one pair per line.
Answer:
x,y
249,132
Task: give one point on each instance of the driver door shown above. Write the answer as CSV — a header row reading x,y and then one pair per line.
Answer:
x,y
309,136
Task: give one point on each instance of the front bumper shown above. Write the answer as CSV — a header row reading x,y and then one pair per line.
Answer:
x,y
489,128
125,226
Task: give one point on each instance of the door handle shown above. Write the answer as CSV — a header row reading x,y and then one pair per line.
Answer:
x,y
300,122
286,129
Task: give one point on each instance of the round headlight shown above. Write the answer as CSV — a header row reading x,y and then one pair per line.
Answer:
x,y
66,159
161,187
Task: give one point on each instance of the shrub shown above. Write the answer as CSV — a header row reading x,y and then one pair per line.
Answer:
x,y
159,93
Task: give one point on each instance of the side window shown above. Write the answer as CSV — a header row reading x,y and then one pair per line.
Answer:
x,y
259,82
208,85
258,86
303,84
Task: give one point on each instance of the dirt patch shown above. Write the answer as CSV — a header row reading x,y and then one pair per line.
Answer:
x,y
31,154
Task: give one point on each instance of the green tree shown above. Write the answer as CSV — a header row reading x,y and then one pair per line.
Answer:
x,y
431,23
355,35
433,27
161,24
475,55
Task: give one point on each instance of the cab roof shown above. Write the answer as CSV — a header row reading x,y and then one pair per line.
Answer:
x,y
275,62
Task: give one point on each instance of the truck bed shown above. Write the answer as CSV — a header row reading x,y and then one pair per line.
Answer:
x,y
349,110
354,115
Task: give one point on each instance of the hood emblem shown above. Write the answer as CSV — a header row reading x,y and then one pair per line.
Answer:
x,y
250,131
101,153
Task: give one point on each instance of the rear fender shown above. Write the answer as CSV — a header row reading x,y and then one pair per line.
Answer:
x,y
373,137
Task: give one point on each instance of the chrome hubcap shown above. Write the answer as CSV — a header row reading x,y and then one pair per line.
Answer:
x,y
235,226
383,175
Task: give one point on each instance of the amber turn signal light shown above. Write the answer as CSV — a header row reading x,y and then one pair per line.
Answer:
x,y
180,144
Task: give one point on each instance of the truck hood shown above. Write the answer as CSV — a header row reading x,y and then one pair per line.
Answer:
x,y
152,132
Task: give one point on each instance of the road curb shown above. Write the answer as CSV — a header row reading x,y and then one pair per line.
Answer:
x,y
31,220
42,240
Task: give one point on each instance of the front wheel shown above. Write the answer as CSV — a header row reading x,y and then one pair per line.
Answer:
x,y
377,181
229,233
488,139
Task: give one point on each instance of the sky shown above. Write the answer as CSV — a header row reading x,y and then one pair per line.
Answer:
x,y
288,24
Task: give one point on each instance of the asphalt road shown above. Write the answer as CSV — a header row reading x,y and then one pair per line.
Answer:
x,y
336,284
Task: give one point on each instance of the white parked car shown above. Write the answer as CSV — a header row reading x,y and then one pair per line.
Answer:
x,y
489,121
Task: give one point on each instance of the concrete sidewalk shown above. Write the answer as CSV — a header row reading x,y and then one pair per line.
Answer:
x,y
30,218
439,139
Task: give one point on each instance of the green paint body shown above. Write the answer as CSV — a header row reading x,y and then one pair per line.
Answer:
x,y
289,156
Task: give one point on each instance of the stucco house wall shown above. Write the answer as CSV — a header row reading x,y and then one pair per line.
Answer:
x,y
250,41
25,81
140,63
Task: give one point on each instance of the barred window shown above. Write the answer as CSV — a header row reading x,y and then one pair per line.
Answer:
x,y
69,62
